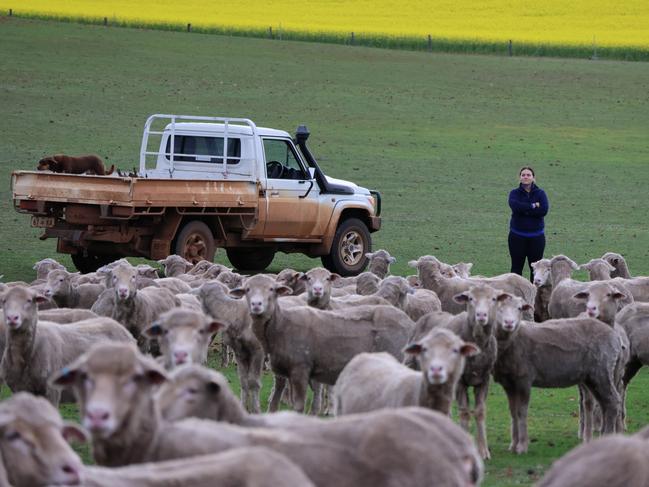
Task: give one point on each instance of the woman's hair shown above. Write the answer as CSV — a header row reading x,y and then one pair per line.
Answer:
x,y
528,168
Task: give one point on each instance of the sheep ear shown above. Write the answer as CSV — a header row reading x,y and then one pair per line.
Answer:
x,y
238,292
573,264
411,290
369,255
526,307
334,277
502,296
162,261
414,349
152,372
584,267
40,299
300,277
153,331
469,265
69,374
618,295
461,298
283,291
74,433
469,349
213,387
610,267
213,326
392,260
413,264
582,295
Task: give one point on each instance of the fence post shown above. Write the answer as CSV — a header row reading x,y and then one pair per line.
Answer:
x,y
105,21
270,32
11,12
352,39
430,43
189,27
509,48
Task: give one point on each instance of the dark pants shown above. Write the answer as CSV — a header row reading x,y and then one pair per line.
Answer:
x,y
521,248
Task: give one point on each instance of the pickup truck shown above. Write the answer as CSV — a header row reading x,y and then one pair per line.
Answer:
x,y
205,183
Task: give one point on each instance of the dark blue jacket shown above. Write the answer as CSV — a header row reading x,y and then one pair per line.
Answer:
x,y
527,221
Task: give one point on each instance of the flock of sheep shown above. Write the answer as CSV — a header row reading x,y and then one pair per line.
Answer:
x,y
385,355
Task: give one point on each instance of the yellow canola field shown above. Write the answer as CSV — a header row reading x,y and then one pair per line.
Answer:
x,y
557,22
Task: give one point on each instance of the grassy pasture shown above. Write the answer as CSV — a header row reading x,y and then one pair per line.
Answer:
x,y
441,136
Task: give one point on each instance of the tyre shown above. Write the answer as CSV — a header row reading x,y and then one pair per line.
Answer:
x,y
195,242
251,259
91,262
351,242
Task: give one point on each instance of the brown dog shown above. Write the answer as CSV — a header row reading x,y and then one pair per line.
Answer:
x,y
90,164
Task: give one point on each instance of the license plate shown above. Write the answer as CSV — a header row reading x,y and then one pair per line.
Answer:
x,y
43,221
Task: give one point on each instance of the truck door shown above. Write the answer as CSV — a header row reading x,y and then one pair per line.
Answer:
x,y
291,193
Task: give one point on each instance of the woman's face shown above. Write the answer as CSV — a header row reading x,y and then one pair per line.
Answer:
x,y
526,177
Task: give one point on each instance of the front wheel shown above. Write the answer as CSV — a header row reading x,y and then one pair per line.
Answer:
x,y
351,242
250,259
195,242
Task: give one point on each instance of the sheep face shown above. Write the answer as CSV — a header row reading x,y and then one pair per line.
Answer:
x,y
109,382
184,336
59,283
124,281
380,262
20,305
147,271
231,279
367,283
598,269
395,289
481,302
33,443
601,301
318,283
510,313
43,267
441,355
175,265
291,278
192,391
463,269
541,270
261,293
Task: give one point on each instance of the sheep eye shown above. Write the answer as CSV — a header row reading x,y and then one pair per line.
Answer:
x,y
493,299
192,390
456,350
13,436
61,280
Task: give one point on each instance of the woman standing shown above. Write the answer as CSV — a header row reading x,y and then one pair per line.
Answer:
x,y
529,205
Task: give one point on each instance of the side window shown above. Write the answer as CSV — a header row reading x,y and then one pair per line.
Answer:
x,y
280,151
190,148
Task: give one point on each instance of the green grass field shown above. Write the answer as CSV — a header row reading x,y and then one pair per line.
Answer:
x,y
441,136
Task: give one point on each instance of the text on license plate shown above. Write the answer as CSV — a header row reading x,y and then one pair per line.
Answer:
x,y
43,221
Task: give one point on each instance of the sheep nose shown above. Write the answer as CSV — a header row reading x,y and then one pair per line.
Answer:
x,y
318,290
123,292
13,320
72,472
481,316
48,292
437,370
97,417
180,356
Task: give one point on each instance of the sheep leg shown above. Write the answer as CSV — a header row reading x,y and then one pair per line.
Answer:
x,y
523,405
316,403
480,392
53,396
225,357
254,380
586,404
462,397
609,401
512,398
276,394
299,382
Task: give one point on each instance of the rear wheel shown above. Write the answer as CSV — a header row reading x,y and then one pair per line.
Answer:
x,y
195,242
91,262
251,259
351,242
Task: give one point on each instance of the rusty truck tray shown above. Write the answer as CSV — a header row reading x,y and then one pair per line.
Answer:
x,y
132,192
